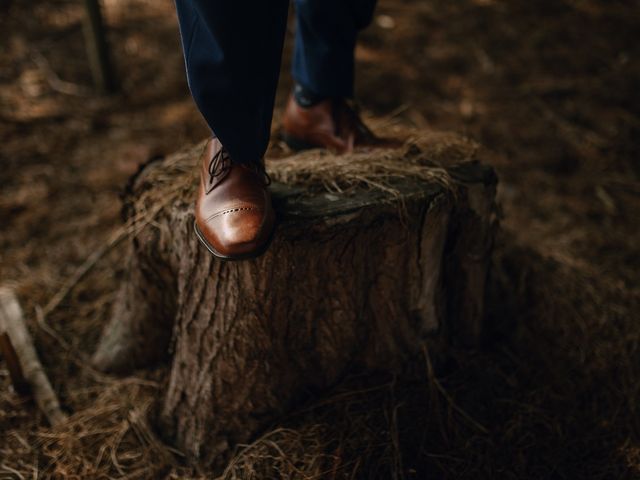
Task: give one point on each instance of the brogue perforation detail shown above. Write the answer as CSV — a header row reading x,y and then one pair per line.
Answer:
x,y
233,210
237,210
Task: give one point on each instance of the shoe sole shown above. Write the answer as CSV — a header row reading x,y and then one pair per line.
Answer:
x,y
227,258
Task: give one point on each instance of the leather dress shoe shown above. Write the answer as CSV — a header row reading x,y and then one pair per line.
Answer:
x,y
234,216
330,124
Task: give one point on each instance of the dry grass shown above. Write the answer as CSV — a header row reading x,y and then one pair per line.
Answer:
x,y
110,439
423,157
553,395
470,420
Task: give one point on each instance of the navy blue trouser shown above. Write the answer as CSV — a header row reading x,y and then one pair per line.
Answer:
x,y
233,50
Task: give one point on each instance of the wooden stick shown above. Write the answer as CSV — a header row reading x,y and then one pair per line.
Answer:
x,y
98,47
12,323
20,383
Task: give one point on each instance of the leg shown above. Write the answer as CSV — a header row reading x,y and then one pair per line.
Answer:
x,y
325,40
317,114
232,52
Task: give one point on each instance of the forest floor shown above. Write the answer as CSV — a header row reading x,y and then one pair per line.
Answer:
x,y
550,87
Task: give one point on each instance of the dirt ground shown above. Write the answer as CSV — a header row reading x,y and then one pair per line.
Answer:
x,y
549,87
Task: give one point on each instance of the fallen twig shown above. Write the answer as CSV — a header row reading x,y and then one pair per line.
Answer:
x,y
20,383
54,81
432,378
12,323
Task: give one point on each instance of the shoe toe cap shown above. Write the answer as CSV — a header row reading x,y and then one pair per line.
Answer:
x,y
238,231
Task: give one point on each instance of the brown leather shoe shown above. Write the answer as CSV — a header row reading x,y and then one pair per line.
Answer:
x,y
234,216
330,124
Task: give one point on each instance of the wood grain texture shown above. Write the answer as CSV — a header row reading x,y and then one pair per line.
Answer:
x,y
352,280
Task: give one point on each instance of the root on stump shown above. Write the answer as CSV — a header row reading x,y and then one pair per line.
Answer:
x,y
375,253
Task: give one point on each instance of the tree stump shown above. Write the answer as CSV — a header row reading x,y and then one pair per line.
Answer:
x,y
374,254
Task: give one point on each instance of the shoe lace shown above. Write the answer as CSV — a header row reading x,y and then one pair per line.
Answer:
x,y
220,166
351,110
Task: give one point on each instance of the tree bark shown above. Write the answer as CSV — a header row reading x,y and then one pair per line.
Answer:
x,y
351,280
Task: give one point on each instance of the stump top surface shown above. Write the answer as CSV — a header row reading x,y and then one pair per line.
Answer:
x,y
317,184
295,203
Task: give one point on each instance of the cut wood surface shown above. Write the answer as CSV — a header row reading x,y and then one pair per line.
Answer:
x,y
375,254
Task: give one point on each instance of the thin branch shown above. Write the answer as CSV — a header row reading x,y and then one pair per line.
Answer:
x,y
12,322
448,397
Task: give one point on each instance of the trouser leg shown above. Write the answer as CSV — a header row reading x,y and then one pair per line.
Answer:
x,y
232,52
326,32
